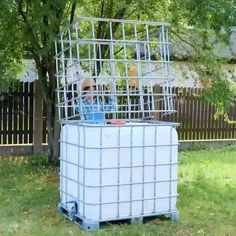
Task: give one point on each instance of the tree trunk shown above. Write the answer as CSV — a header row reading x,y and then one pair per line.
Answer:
x,y
53,132
47,85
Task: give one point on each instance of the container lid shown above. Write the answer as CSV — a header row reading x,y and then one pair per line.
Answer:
x,y
117,122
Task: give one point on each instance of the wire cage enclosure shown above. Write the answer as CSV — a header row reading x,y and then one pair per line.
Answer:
x,y
128,62
111,70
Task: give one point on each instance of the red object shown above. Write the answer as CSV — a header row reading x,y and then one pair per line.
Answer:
x,y
117,122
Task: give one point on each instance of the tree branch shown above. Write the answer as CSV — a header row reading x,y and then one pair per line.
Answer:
x,y
183,40
72,12
35,45
20,10
102,8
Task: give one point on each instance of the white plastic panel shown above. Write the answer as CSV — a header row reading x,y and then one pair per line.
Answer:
x,y
118,172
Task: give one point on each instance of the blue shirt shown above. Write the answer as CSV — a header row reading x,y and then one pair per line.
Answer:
x,y
93,111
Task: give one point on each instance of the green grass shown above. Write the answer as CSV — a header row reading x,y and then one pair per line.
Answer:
x,y
207,199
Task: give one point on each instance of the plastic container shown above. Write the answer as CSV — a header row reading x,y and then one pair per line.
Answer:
x,y
118,171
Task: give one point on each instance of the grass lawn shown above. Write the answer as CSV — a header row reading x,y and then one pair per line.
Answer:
x,y
207,199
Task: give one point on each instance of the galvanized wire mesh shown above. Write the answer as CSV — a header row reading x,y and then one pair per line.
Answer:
x,y
127,62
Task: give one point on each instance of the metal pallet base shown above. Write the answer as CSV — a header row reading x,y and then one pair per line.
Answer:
x,y
91,225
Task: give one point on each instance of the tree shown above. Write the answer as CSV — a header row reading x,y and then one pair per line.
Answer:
x,y
31,26
202,33
10,57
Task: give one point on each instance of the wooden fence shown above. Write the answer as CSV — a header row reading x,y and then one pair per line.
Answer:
x,y
196,117
17,114
22,127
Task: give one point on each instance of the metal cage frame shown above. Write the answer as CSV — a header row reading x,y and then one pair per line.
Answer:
x,y
132,56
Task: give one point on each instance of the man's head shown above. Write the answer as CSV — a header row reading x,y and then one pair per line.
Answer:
x,y
87,84
88,87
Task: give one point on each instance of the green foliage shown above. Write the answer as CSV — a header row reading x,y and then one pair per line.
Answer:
x,y
217,14
221,94
200,34
38,163
10,53
9,72
218,80
29,28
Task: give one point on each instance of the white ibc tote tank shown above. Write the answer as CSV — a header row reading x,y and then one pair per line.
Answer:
x,y
118,160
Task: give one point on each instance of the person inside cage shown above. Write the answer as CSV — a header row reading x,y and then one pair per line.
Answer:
x,y
92,104
135,101
134,97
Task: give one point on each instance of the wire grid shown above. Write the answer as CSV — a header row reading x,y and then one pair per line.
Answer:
x,y
131,57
